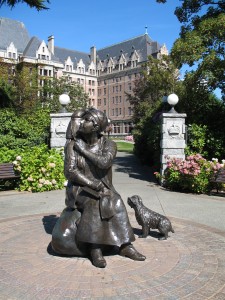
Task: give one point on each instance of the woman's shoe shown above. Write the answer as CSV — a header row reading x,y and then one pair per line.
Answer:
x,y
97,258
131,252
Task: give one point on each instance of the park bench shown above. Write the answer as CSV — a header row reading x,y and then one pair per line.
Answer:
x,y
218,178
7,171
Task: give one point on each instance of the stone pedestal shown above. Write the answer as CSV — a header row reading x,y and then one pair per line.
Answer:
x,y
172,142
59,123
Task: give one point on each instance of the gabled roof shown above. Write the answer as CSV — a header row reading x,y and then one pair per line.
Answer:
x,y
32,47
75,56
13,31
142,44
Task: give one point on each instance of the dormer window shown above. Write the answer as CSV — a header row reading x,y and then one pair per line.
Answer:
x,y
134,59
12,51
121,67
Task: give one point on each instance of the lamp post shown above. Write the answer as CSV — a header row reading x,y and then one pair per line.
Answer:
x,y
64,100
172,99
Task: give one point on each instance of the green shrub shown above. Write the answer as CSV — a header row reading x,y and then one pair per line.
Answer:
x,y
27,130
40,169
202,140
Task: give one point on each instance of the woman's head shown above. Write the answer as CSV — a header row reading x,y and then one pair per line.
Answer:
x,y
98,118
74,124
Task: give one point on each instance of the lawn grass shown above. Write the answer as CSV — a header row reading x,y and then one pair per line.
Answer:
x,y
125,147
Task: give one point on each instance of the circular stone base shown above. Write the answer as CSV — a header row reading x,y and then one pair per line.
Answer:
x,y
189,265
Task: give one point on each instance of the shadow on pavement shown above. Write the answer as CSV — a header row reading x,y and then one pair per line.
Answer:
x,y
131,165
153,234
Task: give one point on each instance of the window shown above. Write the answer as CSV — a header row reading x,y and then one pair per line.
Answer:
x,y
93,83
89,82
10,54
116,128
104,91
99,102
14,55
104,101
45,72
120,111
129,111
121,67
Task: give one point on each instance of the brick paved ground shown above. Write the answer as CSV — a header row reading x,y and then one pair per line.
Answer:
x,y
189,265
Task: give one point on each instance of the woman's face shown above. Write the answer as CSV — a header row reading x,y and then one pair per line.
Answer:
x,y
75,125
87,124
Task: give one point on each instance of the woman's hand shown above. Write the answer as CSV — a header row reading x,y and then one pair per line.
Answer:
x,y
79,145
97,185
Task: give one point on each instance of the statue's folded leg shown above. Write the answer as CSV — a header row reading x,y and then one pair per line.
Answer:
x,y
64,234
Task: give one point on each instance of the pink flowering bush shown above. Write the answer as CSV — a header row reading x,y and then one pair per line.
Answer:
x,y
129,138
190,175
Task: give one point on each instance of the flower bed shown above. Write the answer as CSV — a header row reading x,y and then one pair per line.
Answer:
x,y
190,175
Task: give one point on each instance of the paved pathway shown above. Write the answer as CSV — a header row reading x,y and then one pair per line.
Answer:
x,y
189,265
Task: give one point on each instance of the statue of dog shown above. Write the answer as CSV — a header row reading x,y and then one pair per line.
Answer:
x,y
149,219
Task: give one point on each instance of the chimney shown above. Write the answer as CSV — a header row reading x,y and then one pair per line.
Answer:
x,y
93,54
51,43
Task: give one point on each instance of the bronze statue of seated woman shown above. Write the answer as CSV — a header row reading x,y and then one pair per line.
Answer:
x,y
95,215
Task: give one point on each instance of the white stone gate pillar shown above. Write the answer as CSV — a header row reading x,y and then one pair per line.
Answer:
x,y
173,136
59,124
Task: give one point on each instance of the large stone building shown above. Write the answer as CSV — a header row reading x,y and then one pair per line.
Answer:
x,y
106,74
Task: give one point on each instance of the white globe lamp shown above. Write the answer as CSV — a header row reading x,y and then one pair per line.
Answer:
x,y
64,100
172,99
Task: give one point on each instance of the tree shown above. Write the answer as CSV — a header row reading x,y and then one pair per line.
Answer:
x,y
38,4
54,87
202,40
159,78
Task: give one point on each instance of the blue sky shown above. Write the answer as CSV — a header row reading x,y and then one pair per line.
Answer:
x,y
78,25
82,24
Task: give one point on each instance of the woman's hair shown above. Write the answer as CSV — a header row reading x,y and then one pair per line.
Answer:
x,y
100,118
